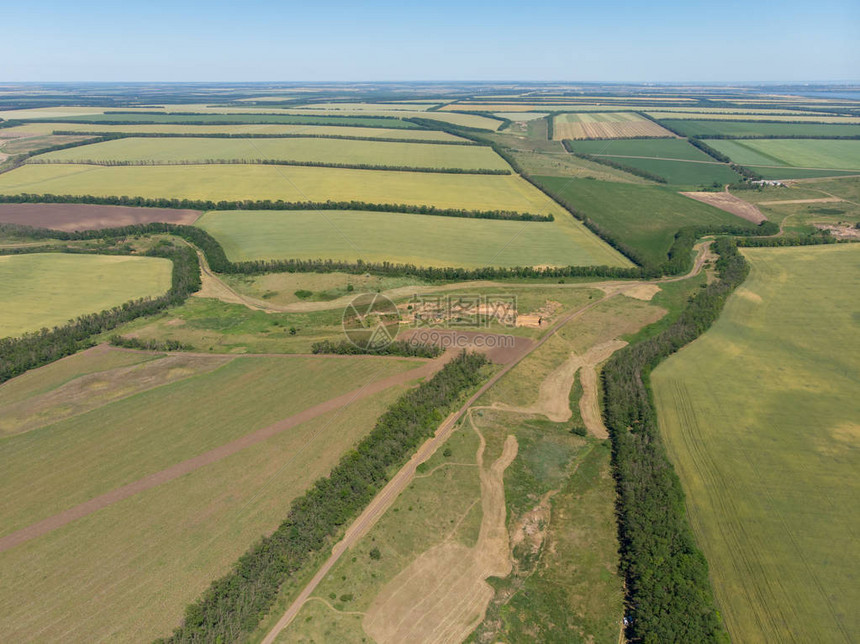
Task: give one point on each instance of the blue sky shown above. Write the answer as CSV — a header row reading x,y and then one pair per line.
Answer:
x,y
325,40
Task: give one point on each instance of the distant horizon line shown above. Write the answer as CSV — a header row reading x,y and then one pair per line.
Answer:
x,y
726,83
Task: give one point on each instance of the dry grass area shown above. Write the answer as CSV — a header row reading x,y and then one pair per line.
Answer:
x,y
730,203
605,125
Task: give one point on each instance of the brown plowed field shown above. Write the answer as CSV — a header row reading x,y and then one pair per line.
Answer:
x,y
70,217
730,203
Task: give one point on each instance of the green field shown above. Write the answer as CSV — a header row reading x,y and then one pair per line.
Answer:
x,y
771,155
397,237
656,148
40,128
290,183
202,150
753,128
217,117
693,167
643,217
127,571
48,289
760,417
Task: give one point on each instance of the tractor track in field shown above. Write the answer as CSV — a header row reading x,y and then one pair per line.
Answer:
x,y
187,466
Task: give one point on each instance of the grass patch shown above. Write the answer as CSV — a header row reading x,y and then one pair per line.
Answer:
x,y
764,440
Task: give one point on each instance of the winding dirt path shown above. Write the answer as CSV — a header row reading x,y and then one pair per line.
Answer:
x,y
383,500
212,456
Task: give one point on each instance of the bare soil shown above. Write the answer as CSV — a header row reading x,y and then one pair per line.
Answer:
x,y
71,217
730,203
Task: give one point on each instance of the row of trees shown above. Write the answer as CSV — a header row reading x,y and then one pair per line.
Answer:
x,y
396,348
256,135
309,164
669,597
274,204
149,345
32,350
233,606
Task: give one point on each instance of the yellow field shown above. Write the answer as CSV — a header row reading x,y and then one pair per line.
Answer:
x,y
369,107
203,150
613,125
290,183
38,129
47,289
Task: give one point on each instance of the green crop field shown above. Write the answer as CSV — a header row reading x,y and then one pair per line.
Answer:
x,y
760,417
234,118
654,148
39,128
693,167
290,183
47,289
202,150
753,128
166,544
418,239
769,156
643,217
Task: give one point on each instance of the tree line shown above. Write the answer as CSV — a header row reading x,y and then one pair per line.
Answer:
x,y
256,135
396,348
669,597
31,350
308,164
149,345
232,607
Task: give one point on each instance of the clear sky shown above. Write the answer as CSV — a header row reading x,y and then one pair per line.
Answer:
x,y
333,40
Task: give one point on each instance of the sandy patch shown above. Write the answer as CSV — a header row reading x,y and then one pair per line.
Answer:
x,y
442,596
589,404
730,203
644,292
748,295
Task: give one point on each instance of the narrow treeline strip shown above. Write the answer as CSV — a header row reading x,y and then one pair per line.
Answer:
x,y
258,135
233,606
669,597
613,164
825,137
18,160
252,119
396,348
19,354
822,237
269,204
308,164
149,345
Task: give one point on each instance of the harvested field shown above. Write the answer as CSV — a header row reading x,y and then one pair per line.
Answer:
x,y
607,125
46,289
765,441
310,150
70,217
730,203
